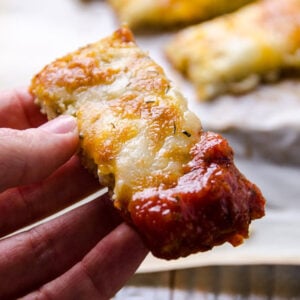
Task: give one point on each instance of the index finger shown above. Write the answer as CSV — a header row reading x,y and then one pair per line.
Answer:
x,y
18,110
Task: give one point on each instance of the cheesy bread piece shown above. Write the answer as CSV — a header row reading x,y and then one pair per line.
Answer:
x,y
234,53
142,14
175,183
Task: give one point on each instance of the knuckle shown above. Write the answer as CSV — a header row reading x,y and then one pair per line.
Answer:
x,y
43,249
40,294
13,166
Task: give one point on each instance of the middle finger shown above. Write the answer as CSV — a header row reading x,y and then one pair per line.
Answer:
x,y
25,205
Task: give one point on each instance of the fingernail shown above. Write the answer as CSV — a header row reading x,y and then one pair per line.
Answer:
x,y
61,124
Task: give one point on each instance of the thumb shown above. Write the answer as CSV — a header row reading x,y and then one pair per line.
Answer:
x,y
30,155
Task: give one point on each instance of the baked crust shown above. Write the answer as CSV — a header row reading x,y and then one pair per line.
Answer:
x,y
234,53
175,183
157,14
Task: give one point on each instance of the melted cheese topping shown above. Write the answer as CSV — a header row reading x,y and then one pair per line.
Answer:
x,y
157,13
135,126
233,53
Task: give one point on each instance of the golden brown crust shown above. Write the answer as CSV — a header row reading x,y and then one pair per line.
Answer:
x,y
136,96
77,71
157,14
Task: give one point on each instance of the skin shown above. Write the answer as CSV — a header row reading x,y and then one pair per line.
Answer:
x,y
87,253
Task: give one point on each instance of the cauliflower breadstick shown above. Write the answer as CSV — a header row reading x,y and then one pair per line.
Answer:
x,y
236,52
176,184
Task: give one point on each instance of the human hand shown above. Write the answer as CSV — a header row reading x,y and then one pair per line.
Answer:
x,y
87,253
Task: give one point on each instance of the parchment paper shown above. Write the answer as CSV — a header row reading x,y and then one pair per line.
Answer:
x,y
263,126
